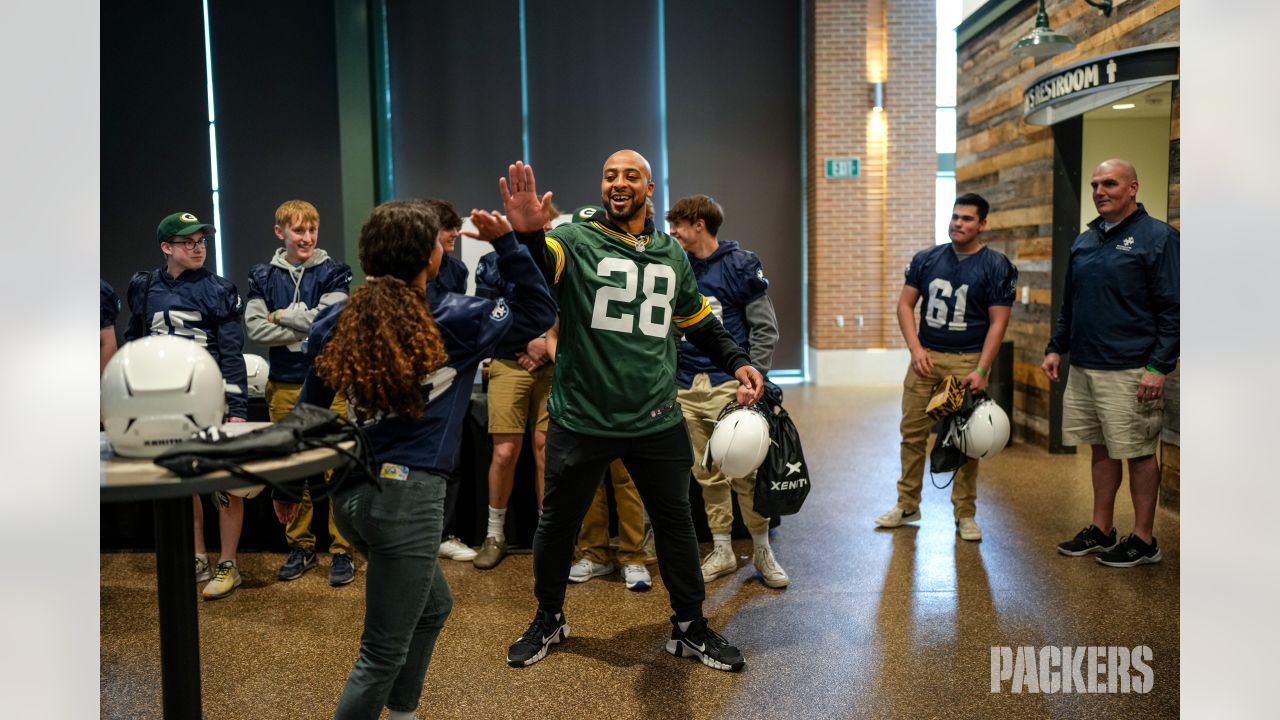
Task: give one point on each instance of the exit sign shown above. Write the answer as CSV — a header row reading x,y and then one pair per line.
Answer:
x,y
842,167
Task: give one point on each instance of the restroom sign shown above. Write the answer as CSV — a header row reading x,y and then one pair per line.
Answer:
x,y
1083,86
842,167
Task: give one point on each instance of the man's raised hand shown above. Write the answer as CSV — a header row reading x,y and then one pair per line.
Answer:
x,y
527,212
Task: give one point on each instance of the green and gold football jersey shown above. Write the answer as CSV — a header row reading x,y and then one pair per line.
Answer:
x,y
619,296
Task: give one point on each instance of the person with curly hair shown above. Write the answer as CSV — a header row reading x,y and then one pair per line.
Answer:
x,y
404,353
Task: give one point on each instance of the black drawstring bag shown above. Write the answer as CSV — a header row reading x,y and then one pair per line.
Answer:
x,y
946,456
782,480
306,427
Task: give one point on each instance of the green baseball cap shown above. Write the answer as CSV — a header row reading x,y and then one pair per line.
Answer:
x,y
586,213
181,223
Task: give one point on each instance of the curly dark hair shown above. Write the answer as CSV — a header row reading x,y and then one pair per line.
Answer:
x,y
386,340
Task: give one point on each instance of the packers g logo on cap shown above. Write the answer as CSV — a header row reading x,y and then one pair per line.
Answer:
x,y
188,218
585,213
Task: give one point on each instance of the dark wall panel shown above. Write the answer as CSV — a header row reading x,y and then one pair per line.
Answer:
x,y
593,89
154,131
455,98
734,128
275,85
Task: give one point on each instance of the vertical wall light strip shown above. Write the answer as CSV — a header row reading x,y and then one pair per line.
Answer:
x,y
660,213
213,145
386,178
804,194
524,89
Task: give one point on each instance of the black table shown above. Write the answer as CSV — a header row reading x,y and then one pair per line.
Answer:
x,y
125,479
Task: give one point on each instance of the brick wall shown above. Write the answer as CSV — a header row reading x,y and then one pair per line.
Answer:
x,y
862,232
1011,163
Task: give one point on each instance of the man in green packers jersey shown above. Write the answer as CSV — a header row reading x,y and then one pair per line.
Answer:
x,y
621,286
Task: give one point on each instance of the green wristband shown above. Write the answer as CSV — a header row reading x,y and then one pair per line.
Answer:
x,y
1153,370
980,370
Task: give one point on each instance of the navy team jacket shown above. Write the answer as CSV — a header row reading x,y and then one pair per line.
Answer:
x,y
471,327
200,306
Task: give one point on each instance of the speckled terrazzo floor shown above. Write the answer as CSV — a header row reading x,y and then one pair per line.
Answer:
x,y
876,624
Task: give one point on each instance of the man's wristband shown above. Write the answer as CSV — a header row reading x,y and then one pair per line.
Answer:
x,y
1153,370
981,371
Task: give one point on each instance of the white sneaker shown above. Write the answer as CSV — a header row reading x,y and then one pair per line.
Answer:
x,y
770,571
896,517
226,578
968,529
454,549
719,563
637,577
586,568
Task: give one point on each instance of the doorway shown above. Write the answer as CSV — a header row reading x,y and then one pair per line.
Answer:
x,y
1135,128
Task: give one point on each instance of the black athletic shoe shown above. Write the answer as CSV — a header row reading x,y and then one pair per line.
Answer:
x,y
1088,540
1131,551
705,644
545,630
299,561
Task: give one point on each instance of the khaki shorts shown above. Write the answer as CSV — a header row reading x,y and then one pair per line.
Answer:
x,y
1101,407
515,394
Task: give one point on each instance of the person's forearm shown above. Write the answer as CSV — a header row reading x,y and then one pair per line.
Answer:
x,y
300,318
536,244
315,391
762,323
718,345
531,300
991,344
264,332
907,325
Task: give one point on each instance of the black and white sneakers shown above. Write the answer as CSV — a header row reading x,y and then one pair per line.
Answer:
x,y
1088,540
546,630
697,641
705,644
1130,552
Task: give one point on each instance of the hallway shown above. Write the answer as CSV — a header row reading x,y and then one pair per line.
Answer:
x,y
876,623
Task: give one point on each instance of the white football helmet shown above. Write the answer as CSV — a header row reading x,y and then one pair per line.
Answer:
x,y
986,432
157,391
739,442
256,369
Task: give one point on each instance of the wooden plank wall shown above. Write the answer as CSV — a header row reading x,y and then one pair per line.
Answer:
x,y
1011,163
1171,440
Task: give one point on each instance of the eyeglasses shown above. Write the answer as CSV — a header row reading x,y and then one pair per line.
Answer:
x,y
188,243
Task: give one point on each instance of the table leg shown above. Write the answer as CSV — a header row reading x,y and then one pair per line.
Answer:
x,y
179,628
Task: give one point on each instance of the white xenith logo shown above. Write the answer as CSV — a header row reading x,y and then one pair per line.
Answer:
x,y
788,484
1080,669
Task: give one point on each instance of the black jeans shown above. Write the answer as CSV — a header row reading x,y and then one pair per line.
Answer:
x,y
659,464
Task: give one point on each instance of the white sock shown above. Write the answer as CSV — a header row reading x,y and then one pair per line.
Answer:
x,y
497,518
761,540
402,714
684,626
722,539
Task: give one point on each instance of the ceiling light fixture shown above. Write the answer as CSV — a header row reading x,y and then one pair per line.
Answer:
x,y
1043,41
1123,106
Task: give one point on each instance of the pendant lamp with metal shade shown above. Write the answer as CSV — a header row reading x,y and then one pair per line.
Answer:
x,y
1043,41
